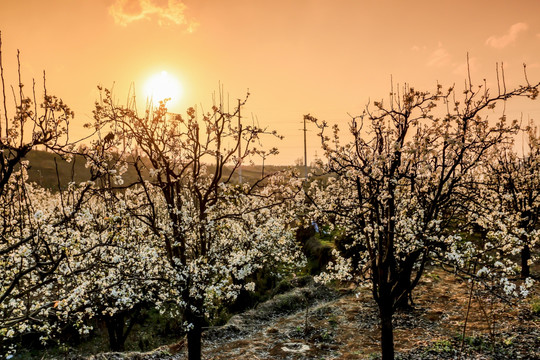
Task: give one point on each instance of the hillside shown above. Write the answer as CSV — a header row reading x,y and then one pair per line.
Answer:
x,y
44,166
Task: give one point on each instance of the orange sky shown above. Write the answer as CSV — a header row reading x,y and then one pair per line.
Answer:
x,y
327,58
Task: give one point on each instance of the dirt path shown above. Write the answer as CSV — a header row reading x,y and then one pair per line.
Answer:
x,y
344,325
348,328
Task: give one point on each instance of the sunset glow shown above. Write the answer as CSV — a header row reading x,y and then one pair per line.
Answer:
x,y
281,179
163,86
295,57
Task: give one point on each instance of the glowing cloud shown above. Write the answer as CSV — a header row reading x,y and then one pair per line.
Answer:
x,y
508,38
166,12
439,58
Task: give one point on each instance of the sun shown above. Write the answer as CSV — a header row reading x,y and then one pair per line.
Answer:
x,y
163,86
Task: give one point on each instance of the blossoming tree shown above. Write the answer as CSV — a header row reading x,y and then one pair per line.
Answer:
x,y
397,186
513,180
214,232
29,257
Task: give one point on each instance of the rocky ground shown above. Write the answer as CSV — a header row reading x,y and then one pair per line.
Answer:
x,y
313,322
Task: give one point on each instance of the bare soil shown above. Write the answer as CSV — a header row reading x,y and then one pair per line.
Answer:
x,y
343,324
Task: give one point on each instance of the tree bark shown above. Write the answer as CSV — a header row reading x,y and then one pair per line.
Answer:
x,y
387,330
194,338
525,257
115,328
404,291
194,335
385,301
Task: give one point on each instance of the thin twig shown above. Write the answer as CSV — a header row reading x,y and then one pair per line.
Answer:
x,y
467,315
3,91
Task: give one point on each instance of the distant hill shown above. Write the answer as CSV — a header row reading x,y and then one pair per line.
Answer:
x,y
45,165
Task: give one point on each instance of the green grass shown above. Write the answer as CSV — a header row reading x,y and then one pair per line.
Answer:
x,y
535,305
441,346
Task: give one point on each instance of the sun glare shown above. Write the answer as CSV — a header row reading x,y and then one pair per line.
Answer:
x,y
163,86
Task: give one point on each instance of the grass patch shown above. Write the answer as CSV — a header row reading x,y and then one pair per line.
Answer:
x,y
535,306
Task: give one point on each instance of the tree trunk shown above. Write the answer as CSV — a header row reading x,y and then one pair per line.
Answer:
x,y
194,316
404,291
407,279
387,330
115,328
194,335
525,257
385,302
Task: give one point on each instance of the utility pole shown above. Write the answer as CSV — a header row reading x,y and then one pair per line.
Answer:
x,y
263,155
305,149
239,144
